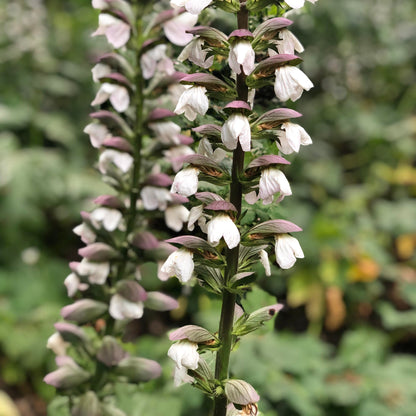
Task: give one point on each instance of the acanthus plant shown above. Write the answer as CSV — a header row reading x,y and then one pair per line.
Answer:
x,y
233,174
138,143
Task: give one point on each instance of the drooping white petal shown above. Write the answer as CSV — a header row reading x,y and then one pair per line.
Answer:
x,y
180,264
108,158
222,226
118,34
167,132
272,181
175,29
120,99
176,216
181,376
97,272
185,354
264,259
236,129
154,197
291,137
150,59
290,82
194,214
295,4
193,52
196,6
121,308
72,283
98,133
287,249
175,155
242,55
186,182
57,344
87,235
100,70
193,101
109,218
288,42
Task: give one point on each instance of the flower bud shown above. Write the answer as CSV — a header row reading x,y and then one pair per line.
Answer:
x,y
111,352
138,369
192,333
83,311
240,392
88,405
68,375
160,302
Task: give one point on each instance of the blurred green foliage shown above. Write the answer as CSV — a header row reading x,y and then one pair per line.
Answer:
x,y
345,342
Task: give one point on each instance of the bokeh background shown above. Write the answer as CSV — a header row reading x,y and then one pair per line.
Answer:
x,y
345,344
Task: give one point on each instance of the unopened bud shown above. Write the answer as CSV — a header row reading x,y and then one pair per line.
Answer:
x,y
192,333
111,352
138,369
240,392
160,302
88,405
83,310
68,375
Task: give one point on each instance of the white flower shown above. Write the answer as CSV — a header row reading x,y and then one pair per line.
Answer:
x,y
99,71
167,132
73,284
121,308
99,4
57,344
87,235
176,216
291,137
186,182
97,272
156,59
287,249
192,6
193,52
154,197
109,218
242,55
273,180
290,83
264,260
193,101
98,134
288,42
186,357
175,28
116,31
180,263
297,4
175,155
108,158
236,129
117,94
196,215
222,226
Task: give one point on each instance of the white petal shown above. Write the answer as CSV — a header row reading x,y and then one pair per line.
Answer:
x,y
108,217
181,376
71,283
185,354
57,344
288,43
180,264
99,71
176,216
196,6
175,29
295,4
242,54
264,259
194,215
121,308
223,226
236,128
186,182
193,101
287,249
97,272
98,133
155,198
120,99
290,82
118,34
167,132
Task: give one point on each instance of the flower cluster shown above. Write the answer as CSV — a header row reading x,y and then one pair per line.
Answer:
x,y
138,143
231,174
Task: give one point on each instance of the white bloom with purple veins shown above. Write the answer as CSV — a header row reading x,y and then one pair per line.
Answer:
x,y
222,226
287,250
291,137
242,55
180,263
236,129
288,42
290,82
186,182
192,102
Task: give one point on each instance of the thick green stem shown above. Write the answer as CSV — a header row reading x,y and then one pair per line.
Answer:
x,y
228,299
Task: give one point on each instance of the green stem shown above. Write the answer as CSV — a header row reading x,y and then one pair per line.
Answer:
x,y
229,299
